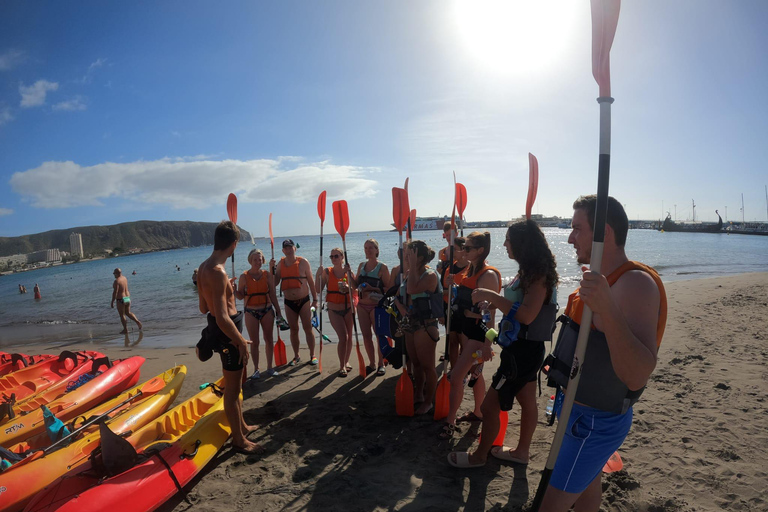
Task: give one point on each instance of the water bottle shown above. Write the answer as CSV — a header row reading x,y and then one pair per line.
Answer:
x,y
550,407
485,312
477,368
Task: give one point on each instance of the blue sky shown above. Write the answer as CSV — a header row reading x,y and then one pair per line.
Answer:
x,y
120,111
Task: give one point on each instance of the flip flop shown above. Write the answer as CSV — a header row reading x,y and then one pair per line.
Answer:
x,y
294,361
469,417
462,461
502,453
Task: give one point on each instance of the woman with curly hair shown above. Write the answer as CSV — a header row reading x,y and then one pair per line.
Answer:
x,y
529,305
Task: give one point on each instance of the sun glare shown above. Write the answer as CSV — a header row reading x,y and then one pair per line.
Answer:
x,y
517,37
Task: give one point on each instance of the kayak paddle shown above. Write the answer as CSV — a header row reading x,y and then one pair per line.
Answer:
x,y
321,214
461,204
404,388
279,351
605,18
341,221
232,212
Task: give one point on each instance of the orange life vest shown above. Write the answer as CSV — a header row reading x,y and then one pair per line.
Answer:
x,y
256,291
333,294
289,275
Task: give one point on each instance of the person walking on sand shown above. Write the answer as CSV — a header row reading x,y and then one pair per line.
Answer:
x,y
294,275
223,333
121,295
336,280
629,309
529,306
257,287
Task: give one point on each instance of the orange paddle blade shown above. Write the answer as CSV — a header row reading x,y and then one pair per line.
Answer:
x,y
361,362
413,218
605,18
280,358
321,207
341,217
461,198
271,236
232,207
404,395
502,433
400,208
406,185
442,398
614,463
533,184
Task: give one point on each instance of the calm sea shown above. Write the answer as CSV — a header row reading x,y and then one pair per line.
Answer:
x,y
165,299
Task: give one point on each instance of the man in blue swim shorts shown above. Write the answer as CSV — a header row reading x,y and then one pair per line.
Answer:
x,y
629,308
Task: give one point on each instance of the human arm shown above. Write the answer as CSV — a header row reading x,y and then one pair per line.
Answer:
x,y
307,271
627,313
529,309
274,269
320,279
273,295
114,294
240,289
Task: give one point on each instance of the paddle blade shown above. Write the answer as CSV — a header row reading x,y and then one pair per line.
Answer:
x,y
321,206
413,218
341,217
404,395
271,236
406,185
605,18
280,357
361,362
232,207
461,198
614,463
442,398
400,208
533,184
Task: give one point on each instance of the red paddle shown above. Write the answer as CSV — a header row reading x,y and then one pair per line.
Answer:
x,y
404,388
232,212
533,184
341,221
321,214
461,203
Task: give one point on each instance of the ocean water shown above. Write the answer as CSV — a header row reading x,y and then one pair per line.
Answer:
x,y
165,299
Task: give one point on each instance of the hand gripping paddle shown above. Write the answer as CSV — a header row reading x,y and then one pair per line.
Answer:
x,y
341,221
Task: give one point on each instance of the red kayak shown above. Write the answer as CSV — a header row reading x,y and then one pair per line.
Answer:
x,y
12,362
55,373
109,380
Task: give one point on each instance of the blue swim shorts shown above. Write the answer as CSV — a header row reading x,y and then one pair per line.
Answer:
x,y
590,439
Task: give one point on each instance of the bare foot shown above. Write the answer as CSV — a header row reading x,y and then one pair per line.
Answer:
x,y
124,331
248,429
248,448
424,409
140,325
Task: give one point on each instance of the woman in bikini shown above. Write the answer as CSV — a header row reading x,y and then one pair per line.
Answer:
x,y
425,296
468,318
257,288
336,279
530,302
451,272
371,280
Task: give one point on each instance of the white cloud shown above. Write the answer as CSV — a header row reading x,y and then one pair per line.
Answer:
x,y
188,183
5,211
34,95
88,77
5,115
76,103
10,59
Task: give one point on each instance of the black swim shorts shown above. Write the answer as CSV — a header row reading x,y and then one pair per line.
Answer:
x,y
519,365
214,340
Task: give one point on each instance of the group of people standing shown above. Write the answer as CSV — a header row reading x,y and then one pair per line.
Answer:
x,y
464,293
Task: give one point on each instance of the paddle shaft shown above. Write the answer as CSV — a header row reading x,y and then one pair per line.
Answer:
x,y
320,295
351,297
595,264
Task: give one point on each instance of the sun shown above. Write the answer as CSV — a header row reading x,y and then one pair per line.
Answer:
x,y
518,37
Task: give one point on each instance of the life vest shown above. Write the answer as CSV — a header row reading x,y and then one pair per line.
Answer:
x,y
542,327
289,275
256,291
599,386
428,305
372,278
468,283
333,294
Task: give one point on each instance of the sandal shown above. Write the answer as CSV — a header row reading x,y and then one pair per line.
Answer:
x,y
468,418
343,372
447,431
294,361
381,371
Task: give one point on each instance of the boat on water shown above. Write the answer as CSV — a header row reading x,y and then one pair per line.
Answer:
x,y
432,223
692,227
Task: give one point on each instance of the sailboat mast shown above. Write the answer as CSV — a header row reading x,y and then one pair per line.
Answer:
x,y
694,209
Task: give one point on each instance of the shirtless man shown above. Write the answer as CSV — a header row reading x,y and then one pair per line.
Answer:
x,y
629,314
294,276
123,298
217,298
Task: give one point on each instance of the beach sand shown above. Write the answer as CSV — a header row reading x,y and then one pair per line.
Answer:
x,y
699,439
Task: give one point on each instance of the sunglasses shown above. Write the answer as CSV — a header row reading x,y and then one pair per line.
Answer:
x,y
470,247
334,256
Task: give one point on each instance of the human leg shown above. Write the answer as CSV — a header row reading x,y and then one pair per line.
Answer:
x,y
131,315
491,424
425,354
252,326
267,327
366,326
233,408
339,324
293,322
306,323
528,420
418,375
463,365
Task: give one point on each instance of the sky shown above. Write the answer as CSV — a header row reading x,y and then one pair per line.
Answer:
x,y
121,111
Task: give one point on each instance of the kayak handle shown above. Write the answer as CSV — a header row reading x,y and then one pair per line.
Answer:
x,y
194,452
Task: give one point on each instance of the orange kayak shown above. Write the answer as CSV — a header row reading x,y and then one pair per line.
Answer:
x,y
29,476
112,381
38,377
12,362
172,450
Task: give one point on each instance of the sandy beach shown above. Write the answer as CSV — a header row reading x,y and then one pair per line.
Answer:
x,y
699,439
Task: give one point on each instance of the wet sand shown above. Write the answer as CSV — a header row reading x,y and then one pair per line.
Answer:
x,y
699,439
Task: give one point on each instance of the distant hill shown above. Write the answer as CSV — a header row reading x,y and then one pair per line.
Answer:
x,y
143,234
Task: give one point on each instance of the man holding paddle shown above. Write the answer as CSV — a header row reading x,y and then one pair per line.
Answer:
x,y
223,333
629,309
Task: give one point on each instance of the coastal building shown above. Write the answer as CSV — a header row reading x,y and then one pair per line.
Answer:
x,y
76,244
46,255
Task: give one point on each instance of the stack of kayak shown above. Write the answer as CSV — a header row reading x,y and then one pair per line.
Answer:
x,y
92,439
